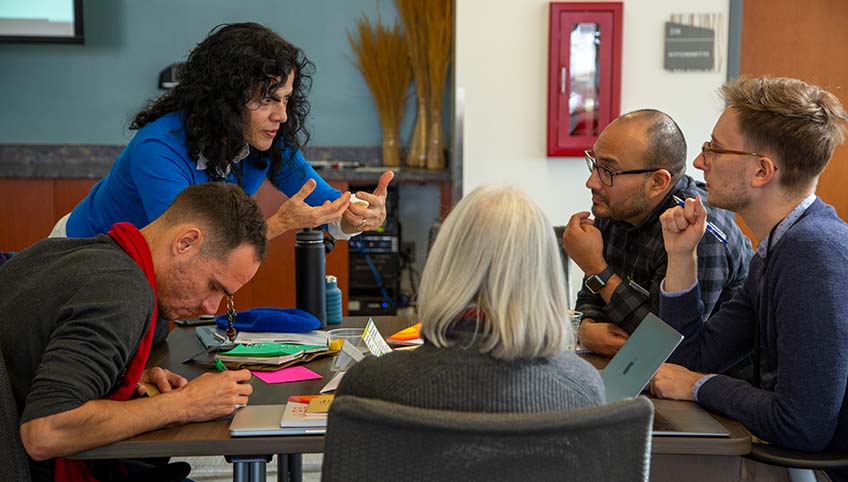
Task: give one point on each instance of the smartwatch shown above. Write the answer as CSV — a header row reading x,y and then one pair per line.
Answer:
x,y
596,282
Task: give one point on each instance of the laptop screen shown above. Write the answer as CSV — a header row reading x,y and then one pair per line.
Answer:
x,y
648,347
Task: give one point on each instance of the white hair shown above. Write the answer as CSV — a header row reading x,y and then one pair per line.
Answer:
x,y
497,252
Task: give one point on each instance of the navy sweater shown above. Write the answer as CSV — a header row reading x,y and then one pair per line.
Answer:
x,y
801,293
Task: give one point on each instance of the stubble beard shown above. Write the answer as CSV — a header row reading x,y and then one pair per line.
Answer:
x,y
731,199
633,207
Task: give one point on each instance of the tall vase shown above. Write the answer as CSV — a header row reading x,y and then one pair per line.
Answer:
x,y
391,147
417,156
435,142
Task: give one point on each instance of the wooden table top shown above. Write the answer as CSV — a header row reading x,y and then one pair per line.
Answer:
x,y
213,438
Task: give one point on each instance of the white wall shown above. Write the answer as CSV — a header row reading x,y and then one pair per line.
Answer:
x,y
501,66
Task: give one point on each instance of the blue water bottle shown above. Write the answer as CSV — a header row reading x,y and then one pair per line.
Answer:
x,y
334,301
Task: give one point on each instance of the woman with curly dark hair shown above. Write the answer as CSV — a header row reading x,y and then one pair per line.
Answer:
x,y
237,115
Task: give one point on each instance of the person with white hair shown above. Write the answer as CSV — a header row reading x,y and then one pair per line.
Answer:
x,y
494,319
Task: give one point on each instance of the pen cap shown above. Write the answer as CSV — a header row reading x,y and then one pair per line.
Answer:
x,y
309,273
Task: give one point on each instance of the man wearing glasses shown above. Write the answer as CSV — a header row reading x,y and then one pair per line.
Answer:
x,y
637,167
767,151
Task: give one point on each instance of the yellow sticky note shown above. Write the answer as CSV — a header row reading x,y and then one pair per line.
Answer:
x,y
320,404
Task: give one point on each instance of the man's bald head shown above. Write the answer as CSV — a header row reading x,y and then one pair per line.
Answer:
x,y
666,146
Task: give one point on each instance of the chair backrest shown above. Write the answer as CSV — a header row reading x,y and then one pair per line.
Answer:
x,y
566,266
14,463
376,440
434,231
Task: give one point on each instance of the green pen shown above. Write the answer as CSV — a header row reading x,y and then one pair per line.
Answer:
x,y
222,368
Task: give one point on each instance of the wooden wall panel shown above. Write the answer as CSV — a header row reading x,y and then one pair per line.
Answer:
x,y
30,208
67,193
26,208
808,41
273,284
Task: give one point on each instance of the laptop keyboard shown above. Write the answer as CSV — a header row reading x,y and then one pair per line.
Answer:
x,y
662,424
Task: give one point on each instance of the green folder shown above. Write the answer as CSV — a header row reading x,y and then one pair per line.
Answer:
x,y
271,349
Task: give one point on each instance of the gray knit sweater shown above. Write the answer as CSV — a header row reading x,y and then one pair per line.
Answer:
x,y
74,312
461,378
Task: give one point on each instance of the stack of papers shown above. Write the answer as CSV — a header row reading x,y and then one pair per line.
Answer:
x,y
307,413
306,338
268,353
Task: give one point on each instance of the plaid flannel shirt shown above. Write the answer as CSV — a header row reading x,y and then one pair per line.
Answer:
x,y
638,257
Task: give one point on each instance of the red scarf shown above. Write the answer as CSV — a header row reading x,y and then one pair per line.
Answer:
x,y
131,240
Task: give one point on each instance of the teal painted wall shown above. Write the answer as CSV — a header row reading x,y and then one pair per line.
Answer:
x,y
86,94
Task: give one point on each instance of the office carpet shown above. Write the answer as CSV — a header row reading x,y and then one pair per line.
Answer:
x,y
216,469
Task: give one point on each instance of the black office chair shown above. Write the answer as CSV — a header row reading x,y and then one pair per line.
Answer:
x,y
566,265
800,464
14,463
376,440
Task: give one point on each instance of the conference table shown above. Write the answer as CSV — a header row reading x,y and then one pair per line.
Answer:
x,y
700,458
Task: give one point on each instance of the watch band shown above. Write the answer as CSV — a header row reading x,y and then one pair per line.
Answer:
x,y
596,282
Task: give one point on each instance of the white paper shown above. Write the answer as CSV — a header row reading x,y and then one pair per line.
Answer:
x,y
333,383
307,338
348,355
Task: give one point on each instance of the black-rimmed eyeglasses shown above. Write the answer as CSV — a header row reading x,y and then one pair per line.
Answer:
x,y
606,175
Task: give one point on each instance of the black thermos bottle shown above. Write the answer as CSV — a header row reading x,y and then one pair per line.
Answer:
x,y
309,273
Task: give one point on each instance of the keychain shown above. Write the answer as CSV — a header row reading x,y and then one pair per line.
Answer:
x,y
231,317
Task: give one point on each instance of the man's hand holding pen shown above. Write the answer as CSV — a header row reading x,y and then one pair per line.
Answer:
x,y
712,228
683,227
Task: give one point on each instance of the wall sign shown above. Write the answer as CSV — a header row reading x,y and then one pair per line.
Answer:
x,y
688,48
694,42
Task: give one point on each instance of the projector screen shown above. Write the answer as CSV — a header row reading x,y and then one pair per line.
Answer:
x,y
41,21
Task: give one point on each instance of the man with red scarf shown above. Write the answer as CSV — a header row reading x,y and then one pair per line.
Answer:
x,y
77,322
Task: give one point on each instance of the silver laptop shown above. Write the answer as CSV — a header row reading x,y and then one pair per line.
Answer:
x,y
264,420
675,418
630,370
648,347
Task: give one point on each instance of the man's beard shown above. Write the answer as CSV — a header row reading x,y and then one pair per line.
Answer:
x,y
731,199
633,207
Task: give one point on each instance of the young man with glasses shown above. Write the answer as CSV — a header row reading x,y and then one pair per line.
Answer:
x,y
636,168
767,151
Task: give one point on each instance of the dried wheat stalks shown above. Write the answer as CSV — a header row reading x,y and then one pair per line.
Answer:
x,y
412,13
438,19
382,57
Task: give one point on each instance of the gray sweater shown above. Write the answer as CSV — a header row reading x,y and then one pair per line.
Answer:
x,y
73,313
463,379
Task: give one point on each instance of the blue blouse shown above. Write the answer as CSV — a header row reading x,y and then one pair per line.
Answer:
x,y
155,167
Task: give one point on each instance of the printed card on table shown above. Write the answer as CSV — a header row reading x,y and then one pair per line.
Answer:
x,y
374,340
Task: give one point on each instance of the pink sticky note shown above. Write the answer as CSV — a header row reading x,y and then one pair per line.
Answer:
x,y
290,374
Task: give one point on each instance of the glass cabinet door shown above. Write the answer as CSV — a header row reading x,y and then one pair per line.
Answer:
x,y
585,74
